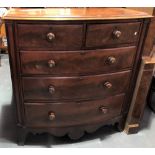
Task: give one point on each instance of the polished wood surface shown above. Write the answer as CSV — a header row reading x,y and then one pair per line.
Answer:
x,y
99,35
61,114
76,63
76,66
75,88
74,14
34,36
76,36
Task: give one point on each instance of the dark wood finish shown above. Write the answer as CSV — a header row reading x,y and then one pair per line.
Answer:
x,y
34,36
21,136
59,63
75,88
15,78
64,80
70,130
88,112
99,35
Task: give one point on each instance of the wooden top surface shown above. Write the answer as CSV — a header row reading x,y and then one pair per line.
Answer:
x,y
73,14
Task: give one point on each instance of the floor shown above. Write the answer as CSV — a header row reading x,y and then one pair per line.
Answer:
x,y
105,137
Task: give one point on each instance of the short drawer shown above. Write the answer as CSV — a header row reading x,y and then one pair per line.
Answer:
x,y
63,114
62,63
105,35
72,88
49,36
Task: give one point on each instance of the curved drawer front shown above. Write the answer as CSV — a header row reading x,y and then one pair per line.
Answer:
x,y
59,63
49,36
61,114
86,87
105,35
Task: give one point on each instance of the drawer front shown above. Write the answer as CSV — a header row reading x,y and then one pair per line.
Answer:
x,y
72,113
105,35
86,87
48,36
76,62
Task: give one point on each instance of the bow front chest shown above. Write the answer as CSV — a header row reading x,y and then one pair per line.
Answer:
x,y
73,69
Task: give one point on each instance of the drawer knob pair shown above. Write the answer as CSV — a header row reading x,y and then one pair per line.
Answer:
x,y
50,36
51,116
51,63
107,84
117,34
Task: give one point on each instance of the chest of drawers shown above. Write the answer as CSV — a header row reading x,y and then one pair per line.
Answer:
x,y
73,70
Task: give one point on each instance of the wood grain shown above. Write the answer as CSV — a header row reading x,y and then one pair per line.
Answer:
x,y
74,14
34,36
99,35
84,113
76,63
73,88
75,44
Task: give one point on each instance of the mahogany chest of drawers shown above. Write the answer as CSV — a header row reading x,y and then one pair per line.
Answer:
x,y
73,70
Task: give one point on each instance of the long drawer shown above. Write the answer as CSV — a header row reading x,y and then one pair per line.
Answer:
x,y
61,114
71,88
50,36
71,63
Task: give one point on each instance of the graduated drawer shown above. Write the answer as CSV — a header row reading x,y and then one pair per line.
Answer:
x,y
72,88
62,63
115,34
63,114
49,36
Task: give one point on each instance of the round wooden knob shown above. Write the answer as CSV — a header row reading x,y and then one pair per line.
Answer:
x,y
108,85
111,60
51,116
51,63
51,89
104,110
117,33
50,36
